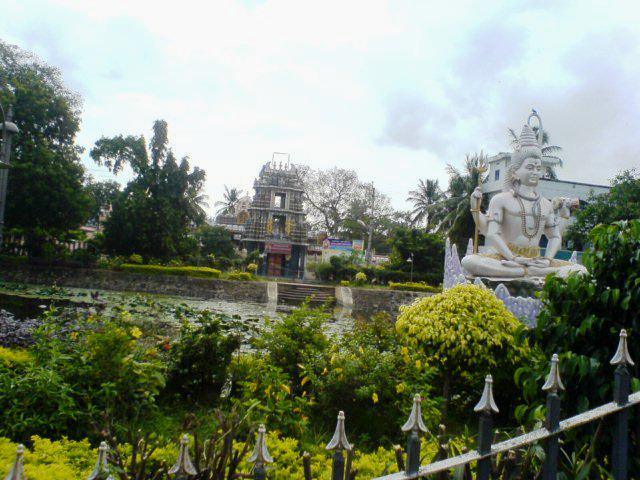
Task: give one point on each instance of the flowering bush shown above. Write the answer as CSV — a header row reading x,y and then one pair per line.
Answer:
x,y
361,278
466,332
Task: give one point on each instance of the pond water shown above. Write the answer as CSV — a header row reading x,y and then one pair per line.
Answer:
x,y
29,301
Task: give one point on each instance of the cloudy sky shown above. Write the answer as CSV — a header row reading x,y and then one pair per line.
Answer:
x,y
393,89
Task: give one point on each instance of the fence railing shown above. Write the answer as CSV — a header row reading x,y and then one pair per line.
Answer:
x,y
409,461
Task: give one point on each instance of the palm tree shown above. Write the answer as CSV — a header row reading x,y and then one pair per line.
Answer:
x,y
549,160
424,199
453,211
228,205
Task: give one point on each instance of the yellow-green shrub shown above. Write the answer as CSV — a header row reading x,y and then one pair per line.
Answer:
x,y
252,267
241,276
50,460
414,287
200,272
15,356
360,277
466,333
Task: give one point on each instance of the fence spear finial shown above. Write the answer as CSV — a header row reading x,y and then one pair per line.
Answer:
x,y
183,466
339,440
261,453
487,403
622,356
415,421
554,382
100,471
17,471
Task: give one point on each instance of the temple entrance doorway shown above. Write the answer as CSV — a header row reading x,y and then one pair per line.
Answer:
x,y
275,264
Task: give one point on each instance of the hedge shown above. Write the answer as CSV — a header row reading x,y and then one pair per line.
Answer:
x,y
201,272
414,287
242,276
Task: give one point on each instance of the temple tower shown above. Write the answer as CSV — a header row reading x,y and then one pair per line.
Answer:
x,y
276,225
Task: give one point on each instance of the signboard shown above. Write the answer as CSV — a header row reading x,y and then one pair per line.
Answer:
x,y
337,244
284,248
358,245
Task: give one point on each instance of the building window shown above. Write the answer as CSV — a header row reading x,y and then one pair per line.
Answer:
x,y
279,200
497,175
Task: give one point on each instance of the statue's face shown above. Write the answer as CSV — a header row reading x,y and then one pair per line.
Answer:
x,y
530,171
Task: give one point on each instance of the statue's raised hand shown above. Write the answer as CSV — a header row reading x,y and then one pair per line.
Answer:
x,y
476,198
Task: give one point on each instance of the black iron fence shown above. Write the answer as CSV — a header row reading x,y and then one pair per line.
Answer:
x,y
409,461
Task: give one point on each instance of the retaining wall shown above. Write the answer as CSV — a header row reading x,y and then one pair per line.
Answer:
x,y
205,288
367,301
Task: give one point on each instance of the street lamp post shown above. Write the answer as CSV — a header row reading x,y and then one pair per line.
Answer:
x,y
8,130
368,252
410,260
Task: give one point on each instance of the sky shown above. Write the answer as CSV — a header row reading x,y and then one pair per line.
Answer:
x,y
395,90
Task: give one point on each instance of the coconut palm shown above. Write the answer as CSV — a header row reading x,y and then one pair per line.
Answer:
x,y
549,160
230,198
453,211
424,199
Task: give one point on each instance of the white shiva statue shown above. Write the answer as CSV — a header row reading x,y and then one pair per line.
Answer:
x,y
516,220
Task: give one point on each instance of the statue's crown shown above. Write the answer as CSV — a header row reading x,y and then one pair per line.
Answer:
x,y
527,138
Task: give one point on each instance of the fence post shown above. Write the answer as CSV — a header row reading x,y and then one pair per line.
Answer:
x,y
415,425
621,390
552,386
486,407
338,443
261,455
17,471
183,468
101,470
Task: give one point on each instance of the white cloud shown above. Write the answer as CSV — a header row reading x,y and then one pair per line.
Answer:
x,y
393,89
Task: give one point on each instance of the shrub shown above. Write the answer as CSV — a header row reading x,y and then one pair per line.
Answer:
x,y
241,276
15,357
414,287
368,374
50,460
135,259
361,278
582,316
344,283
200,358
252,267
200,272
324,271
14,332
466,332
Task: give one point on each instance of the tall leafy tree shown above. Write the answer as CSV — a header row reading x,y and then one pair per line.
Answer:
x,y
228,203
103,195
45,198
425,199
155,213
454,209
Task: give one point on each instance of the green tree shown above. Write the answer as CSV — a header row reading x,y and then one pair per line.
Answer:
x,y
103,195
427,249
216,241
425,200
155,213
621,203
454,216
45,198
230,198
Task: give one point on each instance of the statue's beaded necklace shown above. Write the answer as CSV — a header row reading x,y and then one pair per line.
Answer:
x,y
537,215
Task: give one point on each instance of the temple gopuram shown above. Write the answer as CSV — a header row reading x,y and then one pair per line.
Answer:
x,y
275,226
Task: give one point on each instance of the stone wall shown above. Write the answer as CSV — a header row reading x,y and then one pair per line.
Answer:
x,y
367,301
205,288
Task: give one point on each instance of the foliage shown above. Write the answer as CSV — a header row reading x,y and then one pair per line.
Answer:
x,y
199,359
154,213
216,241
425,200
291,341
200,272
14,332
621,203
135,259
44,152
15,357
466,332
103,195
414,287
427,250
252,268
368,372
241,276
582,308
228,204
361,278
50,460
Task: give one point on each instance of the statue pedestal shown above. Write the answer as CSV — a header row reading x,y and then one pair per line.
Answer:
x,y
517,287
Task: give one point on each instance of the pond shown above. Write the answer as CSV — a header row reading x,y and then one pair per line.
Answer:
x,y
29,301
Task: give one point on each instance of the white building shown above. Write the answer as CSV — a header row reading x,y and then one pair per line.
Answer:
x,y
499,165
